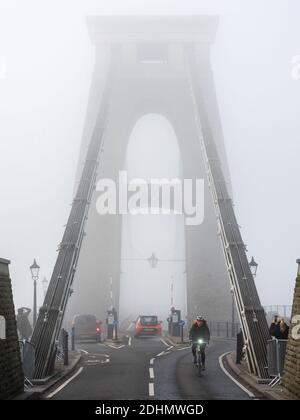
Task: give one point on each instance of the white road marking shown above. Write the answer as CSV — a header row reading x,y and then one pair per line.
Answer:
x,y
163,353
163,341
151,389
152,361
65,383
151,373
250,394
83,351
129,341
169,348
116,347
183,348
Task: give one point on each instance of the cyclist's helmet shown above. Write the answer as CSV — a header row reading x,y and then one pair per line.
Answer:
x,y
200,318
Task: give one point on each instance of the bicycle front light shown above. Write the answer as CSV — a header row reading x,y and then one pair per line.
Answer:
x,y
200,341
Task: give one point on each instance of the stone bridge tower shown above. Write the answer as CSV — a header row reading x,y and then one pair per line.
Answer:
x,y
152,77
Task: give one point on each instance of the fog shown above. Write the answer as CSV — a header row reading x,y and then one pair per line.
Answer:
x,y
46,63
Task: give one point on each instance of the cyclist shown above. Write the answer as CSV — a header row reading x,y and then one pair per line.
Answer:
x,y
199,330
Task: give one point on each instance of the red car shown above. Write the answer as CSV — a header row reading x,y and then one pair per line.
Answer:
x,y
147,325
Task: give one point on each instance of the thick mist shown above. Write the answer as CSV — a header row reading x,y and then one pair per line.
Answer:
x,y
46,64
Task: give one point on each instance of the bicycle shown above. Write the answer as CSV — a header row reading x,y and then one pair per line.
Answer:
x,y
200,348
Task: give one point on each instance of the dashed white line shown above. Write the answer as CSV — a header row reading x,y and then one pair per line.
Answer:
x,y
169,348
151,373
152,361
250,394
183,348
129,341
65,383
151,389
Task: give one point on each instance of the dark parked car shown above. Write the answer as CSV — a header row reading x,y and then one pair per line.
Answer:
x,y
86,327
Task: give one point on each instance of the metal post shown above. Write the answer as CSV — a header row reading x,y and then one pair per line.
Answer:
x,y
218,329
181,332
277,358
34,302
116,331
227,329
232,316
73,338
65,346
239,347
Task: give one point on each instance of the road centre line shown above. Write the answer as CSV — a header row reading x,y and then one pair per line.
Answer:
x,y
151,389
151,373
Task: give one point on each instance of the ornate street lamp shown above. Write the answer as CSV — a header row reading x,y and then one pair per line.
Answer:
x,y
253,267
153,260
35,269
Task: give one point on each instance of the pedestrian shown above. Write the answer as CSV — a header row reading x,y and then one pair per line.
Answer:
x,y
23,324
279,329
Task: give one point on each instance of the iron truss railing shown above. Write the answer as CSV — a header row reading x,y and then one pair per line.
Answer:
x,y
48,325
250,311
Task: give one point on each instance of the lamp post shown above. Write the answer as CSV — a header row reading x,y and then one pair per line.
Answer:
x,y
153,260
34,268
172,292
253,267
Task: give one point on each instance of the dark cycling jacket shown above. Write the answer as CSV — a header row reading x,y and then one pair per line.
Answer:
x,y
199,332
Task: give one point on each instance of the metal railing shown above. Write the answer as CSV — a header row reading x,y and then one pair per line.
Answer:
x,y
224,329
281,310
27,351
276,350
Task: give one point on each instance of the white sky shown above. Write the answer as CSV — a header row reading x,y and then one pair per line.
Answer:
x,y
46,60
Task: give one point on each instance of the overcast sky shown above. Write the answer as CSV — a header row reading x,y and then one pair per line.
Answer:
x,y
46,61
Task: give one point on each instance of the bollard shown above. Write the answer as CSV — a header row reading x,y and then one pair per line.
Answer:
x,y
233,330
73,338
181,332
227,330
218,329
116,332
65,347
239,347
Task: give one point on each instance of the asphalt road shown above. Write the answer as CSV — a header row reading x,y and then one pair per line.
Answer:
x,y
147,368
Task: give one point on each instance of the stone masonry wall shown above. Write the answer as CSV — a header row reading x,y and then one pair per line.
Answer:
x,y
11,373
291,376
